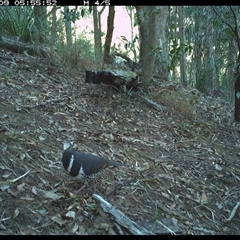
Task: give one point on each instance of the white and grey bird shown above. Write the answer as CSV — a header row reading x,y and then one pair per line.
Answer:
x,y
84,165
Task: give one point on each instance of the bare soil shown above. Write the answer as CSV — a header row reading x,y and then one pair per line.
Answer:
x,y
183,166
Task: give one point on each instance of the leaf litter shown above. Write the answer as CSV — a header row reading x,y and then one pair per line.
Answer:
x,y
182,162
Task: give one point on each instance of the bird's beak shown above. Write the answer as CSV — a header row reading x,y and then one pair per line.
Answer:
x,y
66,145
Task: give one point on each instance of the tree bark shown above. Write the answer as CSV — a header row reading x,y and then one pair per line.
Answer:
x,y
182,44
97,34
229,83
152,22
237,95
198,49
53,30
141,12
149,58
68,27
110,27
161,65
40,23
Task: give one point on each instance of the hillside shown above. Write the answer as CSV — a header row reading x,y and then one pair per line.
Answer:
x,y
183,160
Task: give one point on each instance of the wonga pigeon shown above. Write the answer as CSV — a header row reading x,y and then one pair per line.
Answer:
x,y
84,165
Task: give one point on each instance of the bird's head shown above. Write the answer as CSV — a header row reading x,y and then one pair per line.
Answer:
x,y
67,145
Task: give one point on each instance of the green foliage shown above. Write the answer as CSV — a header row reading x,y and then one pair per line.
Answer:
x,y
71,15
16,22
130,45
87,48
74,14
176,51
78,56
210,46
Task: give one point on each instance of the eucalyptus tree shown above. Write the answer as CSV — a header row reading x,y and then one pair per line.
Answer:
x,y
204,51
181,25
152,22
68,26
97,32
229,16
161,53
53,29
108,39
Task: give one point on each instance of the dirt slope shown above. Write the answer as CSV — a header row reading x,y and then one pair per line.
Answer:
x,y
183,166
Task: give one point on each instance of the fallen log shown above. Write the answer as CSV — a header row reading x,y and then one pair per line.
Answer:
x,y
17,46
117,78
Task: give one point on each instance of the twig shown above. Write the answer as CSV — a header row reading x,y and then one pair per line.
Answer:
x,y
166,228
233,212
152,103
119,229
16,179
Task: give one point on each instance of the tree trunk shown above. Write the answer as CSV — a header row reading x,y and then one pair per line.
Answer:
x,y
173,62
183,78
150,48
161,65
97,34
211,84
229,83
237,95
198,50
110,27
68,27
141,13
53,30
40,23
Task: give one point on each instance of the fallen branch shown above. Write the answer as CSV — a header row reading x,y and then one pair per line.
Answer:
x,y
152,104
21,47
122,219
149,102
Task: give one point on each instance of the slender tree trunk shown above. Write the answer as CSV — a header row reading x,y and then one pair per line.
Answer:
x,y
183,78
161,65
97,34
237,95
149,58
230,71
142,26
174,34
198,50
152,22
110,27
53,30
40,22
68,27
211,84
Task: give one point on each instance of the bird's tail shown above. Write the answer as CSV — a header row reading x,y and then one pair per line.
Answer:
x,y
116,164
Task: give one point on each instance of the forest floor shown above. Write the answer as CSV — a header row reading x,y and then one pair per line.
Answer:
x,y
184,161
